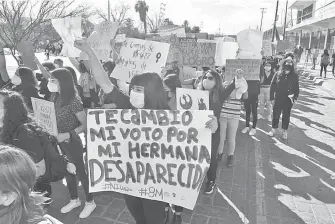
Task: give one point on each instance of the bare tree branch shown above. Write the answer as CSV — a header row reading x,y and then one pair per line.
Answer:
x,y
119,13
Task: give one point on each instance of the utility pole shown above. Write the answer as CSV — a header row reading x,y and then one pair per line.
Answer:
x,y
284,35
109,11
262,11
274,24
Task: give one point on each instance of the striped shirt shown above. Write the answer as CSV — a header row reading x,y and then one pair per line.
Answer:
x,y
231,108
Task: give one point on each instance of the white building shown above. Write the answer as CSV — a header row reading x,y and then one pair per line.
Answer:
x,y
315,23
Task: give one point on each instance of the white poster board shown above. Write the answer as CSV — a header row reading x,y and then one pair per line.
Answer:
x,y
157,155
251,68
69,29
188,73
267,48
45,115
250,44
137,56
178,31
192,99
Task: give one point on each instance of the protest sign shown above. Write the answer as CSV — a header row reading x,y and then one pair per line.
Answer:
x,y
192,99
100,40
174,51
137,56
267,48
153,154
45,115
69,29
27,52
197,54
120,38
178,31
251,68
250,44
188,73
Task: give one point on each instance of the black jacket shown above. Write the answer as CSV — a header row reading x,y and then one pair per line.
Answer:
x,y
283,85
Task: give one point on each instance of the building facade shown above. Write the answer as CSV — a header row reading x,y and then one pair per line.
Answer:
x,y
315,23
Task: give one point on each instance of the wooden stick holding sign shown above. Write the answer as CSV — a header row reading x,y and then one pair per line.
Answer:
x,y
154,154
45,115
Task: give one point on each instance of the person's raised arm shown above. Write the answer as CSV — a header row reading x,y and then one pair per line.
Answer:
x,y
98,71
45,73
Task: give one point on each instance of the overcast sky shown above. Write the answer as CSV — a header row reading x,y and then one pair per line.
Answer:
x,y
231,16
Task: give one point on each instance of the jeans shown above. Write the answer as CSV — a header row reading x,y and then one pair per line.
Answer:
x,y
264,98
323,67
211,173
282,105
74,151
228,129
251,104
314,62
145,211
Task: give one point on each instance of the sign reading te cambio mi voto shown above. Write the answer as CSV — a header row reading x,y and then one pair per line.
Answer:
x,y
154,154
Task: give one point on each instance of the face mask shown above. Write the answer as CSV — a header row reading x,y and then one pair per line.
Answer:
x,y
267,68
208,84
16,80
52,87
137,99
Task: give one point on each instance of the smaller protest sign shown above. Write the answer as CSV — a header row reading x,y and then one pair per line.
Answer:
x,y
250,44
137,56
197,54
251,68
45,115
178,31
188,73
120,38
192,99
267,48
27,52
69,29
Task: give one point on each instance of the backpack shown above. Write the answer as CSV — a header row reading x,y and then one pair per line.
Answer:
x,y
325,60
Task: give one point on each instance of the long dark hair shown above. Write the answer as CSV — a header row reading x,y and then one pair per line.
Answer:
x,y
214,94
154,95
27,77
74,75
16,115
325,52
66,85
282,65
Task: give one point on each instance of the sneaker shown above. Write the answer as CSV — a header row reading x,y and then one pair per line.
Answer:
x,y
245,130
285,134
72,205
270,118
209,187
177,219
272,132
230,160
259,116
252,132
88,209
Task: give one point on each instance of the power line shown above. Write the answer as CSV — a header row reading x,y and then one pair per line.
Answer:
x,y
262,11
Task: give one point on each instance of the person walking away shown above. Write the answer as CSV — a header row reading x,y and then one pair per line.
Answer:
x,y
264,96
315,56
309,53
284,91
325,61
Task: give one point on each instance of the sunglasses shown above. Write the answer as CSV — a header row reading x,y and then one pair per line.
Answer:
x,y
209,78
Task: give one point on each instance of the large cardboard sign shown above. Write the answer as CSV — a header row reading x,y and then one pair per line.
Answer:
x,y
69,29
250,44
174,51
153,154
192,99
251,68
197,54
178,31
27,52
45,115
137,56
267,48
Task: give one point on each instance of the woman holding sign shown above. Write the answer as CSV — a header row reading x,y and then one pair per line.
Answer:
x,y
147,92
71,121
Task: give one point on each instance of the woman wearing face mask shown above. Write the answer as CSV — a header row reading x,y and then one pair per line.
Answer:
x,y
284,91
147,92
264,97
218,93
71,121
26,84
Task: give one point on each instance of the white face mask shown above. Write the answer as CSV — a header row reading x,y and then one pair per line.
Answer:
x,y
267,68
16,80
208,84
137,99
53,87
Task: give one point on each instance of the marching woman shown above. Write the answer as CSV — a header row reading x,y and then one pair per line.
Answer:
x,y
147,92
230,112
218,94
25,83
71,121
18,204
284,91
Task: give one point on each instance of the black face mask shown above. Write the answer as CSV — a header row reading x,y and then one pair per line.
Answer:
x,y
288,67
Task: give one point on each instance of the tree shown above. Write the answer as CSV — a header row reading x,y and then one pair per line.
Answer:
x,y
167,21
119,13
27,20
130,31
153,23
142,8
186,26
195,29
